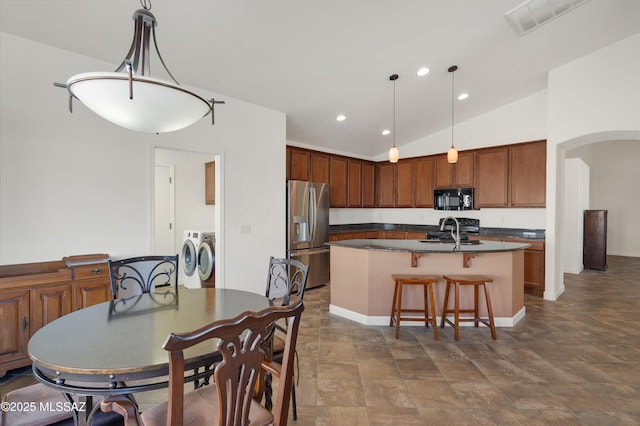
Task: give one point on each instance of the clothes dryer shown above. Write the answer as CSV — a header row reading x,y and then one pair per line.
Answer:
x,y
207,259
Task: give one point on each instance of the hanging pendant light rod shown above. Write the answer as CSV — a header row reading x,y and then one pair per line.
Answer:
x,y
452,154
393,151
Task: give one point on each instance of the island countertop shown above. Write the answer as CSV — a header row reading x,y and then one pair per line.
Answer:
x,y
418,246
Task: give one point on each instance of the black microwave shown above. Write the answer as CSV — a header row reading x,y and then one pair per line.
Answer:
x,y
453,199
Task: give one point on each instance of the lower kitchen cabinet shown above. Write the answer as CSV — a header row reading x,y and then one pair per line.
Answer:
x,y
534,263
32,295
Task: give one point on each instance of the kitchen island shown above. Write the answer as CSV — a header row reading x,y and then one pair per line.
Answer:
x,y
362,288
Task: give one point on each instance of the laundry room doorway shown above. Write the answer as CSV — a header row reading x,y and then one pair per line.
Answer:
x,y
180,202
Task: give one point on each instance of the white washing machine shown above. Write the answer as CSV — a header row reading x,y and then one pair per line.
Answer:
x,y
207,259
189,259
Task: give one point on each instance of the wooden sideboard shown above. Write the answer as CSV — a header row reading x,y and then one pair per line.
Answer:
x,y
34,294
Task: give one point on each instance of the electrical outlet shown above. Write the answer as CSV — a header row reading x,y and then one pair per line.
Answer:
x,y
245,229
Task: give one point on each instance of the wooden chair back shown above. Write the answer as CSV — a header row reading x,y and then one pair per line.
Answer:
x,y
286,280
239,341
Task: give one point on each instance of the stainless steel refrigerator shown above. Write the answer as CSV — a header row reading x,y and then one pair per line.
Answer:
x,y
308,228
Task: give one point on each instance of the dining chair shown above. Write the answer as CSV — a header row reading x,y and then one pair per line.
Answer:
x,y
286,282
230,400
142,274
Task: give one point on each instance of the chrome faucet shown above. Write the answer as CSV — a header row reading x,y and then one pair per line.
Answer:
x,y
455,236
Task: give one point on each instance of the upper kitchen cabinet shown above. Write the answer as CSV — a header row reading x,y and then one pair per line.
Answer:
x,y
300,164
385,184
368,184
527,174
210,182
424,181
354,192
404,183
320,167
457,175
492,177
338,181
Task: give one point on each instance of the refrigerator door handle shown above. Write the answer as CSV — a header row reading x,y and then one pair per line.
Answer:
x,y
301,253
313,205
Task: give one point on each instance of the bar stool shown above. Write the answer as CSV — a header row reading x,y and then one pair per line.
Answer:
x,y
461,280
396,307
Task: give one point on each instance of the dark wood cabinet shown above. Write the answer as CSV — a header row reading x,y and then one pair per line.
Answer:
x,y
404,183
424,181
456,175
49,303
34,294
595,239
210,182
300,164
492,176
385,184
14,311
338,181
527,174
354,173
320,167
368,184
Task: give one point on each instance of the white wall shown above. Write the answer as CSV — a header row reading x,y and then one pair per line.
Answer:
x,y
615,186
576,201
591,99
191,212
75,184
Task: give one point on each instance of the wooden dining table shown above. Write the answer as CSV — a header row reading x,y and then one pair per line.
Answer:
x,y
115,348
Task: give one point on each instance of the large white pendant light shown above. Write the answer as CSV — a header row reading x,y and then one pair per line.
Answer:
x,y
452,154
394,154
130,97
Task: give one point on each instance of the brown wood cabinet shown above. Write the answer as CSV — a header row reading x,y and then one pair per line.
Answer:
x,y
534,263
527,174
457,175
210,182
354,192
368,184
338,181
300,164
595,240
320,167
424,181
32,295
492,175
385,184
405,180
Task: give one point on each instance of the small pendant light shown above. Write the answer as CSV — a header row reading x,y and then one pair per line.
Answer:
x,y
394,154
452,155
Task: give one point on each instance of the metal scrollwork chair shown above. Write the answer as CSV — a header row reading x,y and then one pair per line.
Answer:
x,y
143,274
286,282
230,401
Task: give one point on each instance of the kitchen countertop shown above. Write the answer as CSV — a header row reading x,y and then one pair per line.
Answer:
x,y
531,234
418,246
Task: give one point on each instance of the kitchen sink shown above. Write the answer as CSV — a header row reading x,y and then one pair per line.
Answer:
x,y
462,243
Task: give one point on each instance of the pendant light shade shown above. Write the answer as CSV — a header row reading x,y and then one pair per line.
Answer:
x,y
452,154
130,97
394,154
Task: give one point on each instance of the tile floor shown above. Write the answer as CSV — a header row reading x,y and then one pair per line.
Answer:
x,y
575,361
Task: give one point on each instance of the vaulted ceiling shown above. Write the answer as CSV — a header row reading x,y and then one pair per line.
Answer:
x,y
314,60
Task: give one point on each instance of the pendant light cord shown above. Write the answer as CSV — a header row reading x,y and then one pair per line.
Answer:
x,y
394,112
453,91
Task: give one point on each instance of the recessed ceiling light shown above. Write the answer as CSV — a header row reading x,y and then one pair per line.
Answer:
x,y
463,96
385,132
341,117
423,71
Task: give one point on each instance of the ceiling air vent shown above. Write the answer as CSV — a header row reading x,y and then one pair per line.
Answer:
x,y
533,13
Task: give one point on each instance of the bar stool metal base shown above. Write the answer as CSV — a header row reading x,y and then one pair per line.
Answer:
x,y
476,281
397,310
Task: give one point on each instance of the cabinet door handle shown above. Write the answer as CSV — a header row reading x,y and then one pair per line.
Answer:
x,y
96,271
24,323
